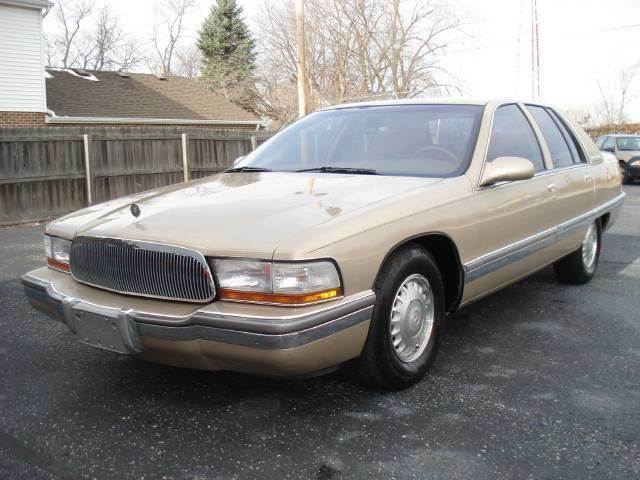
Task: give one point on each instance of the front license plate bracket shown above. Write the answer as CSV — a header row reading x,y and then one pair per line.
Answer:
x,y
116,332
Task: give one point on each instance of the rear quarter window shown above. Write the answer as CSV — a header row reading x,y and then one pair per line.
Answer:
x,y
574,145
561,154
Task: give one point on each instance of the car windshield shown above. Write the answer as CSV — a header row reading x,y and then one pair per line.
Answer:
x,y
628,143
404,140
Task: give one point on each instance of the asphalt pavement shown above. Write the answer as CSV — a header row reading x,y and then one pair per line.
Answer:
x,y
540,380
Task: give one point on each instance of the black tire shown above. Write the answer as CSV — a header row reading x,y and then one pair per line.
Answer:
x,y
624,173
379,365
572,268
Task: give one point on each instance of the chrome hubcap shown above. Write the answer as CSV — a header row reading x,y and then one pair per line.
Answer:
x,y
412,315
590,247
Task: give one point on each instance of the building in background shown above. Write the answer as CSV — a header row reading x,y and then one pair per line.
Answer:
x,y
34,96
83,97
22,88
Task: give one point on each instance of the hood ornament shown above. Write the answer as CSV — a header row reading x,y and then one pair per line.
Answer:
x,y
135,210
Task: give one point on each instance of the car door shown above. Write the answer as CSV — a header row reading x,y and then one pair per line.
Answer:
x,y
570,178
514,228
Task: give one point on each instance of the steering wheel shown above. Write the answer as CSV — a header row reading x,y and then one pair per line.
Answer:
x,y
435,148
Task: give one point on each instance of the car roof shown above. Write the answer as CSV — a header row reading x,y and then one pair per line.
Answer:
x,y
620,135
428,101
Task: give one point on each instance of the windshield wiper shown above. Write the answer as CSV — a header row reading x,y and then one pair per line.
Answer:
x,y
247,169
357,171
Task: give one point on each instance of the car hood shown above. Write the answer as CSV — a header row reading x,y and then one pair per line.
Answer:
x,y
627,155
237,214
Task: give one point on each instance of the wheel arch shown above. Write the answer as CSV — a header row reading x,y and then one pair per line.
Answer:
x,y
604,221
447,257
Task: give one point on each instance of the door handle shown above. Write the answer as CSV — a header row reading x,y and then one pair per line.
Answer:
x,y
588,177
551,187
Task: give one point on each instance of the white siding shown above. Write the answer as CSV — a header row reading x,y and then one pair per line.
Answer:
x,y
21,69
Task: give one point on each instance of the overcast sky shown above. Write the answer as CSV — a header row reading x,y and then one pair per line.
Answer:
x,y
581,42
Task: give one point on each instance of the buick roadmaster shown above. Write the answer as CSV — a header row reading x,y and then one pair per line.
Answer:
x,y
347,237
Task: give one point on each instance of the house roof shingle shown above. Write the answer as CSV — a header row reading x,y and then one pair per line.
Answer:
x,y
136,95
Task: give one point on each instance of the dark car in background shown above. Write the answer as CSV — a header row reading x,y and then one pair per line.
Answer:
x,y
626,148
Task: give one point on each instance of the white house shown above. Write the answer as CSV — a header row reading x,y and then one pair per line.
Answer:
x,y
22,83
34,96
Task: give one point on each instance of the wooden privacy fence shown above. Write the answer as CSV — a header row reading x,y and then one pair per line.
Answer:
x,y
49,171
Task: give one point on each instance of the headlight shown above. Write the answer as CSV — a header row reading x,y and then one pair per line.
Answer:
x,y
636,162
246,275
286,283
58,251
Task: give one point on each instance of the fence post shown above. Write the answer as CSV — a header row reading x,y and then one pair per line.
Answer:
x,y
254,142
185,157
86,140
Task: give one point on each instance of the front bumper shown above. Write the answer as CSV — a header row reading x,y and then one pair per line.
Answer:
x,y
219,336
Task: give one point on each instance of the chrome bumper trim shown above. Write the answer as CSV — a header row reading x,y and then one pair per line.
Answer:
x,y
258,332
253,339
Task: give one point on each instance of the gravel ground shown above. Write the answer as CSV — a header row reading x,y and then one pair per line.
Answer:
x,y
538,381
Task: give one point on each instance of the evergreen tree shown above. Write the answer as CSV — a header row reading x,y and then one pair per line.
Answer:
x,y
228,52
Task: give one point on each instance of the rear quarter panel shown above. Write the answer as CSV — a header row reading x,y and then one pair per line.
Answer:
x,y
605,170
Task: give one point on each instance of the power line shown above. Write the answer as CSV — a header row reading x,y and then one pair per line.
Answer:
x,y
510,44
609,29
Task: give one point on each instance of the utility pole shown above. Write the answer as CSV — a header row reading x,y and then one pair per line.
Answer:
x,y
302,67
535,52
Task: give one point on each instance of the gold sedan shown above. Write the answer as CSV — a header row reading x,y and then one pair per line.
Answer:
x,y
348,236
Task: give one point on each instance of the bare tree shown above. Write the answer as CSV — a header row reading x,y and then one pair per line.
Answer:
x,y
187,62
168,30
355,49
415,40
70,15
582,115
90,40
111,47
130,55
49,50
107,38
616,95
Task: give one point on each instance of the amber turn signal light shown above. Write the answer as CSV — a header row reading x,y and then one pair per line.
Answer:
x,y
58,265
279,298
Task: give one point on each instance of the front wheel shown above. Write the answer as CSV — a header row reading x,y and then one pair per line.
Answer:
x,y
624,173
580,266
410,307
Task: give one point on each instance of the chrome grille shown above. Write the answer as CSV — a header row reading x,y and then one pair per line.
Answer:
x,y
142,268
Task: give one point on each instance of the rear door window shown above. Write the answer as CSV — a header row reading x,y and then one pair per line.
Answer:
x,y
558,146
512,136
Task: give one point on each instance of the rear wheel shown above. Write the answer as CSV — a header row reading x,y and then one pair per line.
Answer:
x,y
406,320
624,173
580,266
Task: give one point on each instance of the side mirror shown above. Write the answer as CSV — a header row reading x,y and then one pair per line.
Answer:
x,y
238,160
507,169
